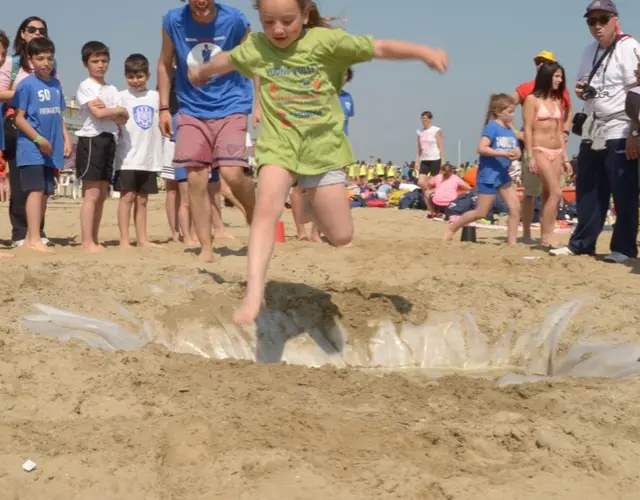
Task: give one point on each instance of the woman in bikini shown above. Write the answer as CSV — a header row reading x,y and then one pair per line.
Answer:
x,y
544,142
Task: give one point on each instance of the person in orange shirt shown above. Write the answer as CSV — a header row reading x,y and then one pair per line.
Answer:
x,y
470,176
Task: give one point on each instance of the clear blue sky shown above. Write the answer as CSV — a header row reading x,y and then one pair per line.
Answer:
x,y
491,45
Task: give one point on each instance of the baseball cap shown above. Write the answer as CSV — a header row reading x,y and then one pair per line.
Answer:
x,y
603,5
546,55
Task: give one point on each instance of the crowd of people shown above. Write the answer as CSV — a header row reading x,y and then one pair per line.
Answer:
x,y
214,72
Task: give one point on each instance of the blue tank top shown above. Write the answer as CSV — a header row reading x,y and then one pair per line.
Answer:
x,y
195,44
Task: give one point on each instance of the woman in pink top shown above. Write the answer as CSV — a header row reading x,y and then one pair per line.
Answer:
x,y
444,189
13,71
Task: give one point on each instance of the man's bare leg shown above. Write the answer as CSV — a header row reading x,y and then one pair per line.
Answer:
x,y
200,205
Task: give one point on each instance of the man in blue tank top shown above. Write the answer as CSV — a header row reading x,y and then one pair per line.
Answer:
x,y
212,121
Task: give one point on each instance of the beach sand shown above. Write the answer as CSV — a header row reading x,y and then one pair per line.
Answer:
x,y
158,425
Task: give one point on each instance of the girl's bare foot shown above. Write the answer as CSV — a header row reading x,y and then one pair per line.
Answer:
x,y
247,312
125,245
92,248
448,234
223,236
206,256
317,239
148,244
190,242
37,246
176,238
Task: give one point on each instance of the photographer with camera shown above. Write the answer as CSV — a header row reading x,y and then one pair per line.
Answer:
x,y
606,74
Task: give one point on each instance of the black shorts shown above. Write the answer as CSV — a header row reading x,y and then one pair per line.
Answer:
x,y
430,167
138,181
95,157
38,178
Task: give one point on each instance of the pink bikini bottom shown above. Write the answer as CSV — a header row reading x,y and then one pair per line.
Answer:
x,y
551,154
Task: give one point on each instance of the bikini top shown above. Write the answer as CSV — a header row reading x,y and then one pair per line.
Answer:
x,y
543,113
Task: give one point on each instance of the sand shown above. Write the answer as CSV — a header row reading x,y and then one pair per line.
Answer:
x,y
159,425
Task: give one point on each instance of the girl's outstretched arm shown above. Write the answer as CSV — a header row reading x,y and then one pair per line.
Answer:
x,y
219,64
436,59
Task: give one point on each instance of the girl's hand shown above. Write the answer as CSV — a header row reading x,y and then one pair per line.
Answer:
x,y
437,60
568,168
196,78
45,147
533,167
513,154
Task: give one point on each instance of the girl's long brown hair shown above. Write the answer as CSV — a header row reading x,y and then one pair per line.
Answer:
x,y
313,11
497,104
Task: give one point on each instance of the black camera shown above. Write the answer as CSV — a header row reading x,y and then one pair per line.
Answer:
x,y
588,93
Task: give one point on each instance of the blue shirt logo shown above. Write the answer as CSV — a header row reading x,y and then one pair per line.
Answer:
x,y
143,116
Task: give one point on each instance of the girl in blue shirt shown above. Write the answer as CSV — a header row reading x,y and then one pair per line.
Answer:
x,y
498,147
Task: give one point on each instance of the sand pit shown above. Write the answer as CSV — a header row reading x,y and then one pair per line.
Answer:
x,y
159,425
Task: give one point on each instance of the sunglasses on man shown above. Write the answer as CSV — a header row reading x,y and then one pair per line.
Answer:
x,y
601,20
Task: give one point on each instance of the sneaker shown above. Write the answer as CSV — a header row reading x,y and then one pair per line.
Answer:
x,y
561,252
616,258
45,241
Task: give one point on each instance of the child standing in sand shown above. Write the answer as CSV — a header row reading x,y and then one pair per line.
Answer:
x,y
498,147
101,113
42,141
139,151
301,64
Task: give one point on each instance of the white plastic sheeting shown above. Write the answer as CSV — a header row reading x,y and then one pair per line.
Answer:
x,y
455,346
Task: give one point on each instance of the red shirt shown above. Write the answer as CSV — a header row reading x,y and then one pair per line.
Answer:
x,y
526,89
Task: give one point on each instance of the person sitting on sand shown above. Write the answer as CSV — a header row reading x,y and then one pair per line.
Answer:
x,y
444,189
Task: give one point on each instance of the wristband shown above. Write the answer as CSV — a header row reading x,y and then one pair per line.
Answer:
x,y
38,139
164,108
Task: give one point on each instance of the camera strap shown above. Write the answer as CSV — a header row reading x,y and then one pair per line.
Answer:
x,y
595,65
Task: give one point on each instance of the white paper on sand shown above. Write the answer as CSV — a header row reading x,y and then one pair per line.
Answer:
x,y
29,466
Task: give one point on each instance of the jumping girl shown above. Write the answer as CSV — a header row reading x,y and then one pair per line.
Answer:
x,y
301,63
544,142
498,147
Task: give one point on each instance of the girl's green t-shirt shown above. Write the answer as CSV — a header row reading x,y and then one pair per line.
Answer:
x,y
301,123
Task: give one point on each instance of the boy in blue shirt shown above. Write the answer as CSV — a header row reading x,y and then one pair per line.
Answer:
x,y
43,141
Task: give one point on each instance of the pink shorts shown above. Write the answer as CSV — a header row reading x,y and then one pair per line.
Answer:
x,y
215,143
